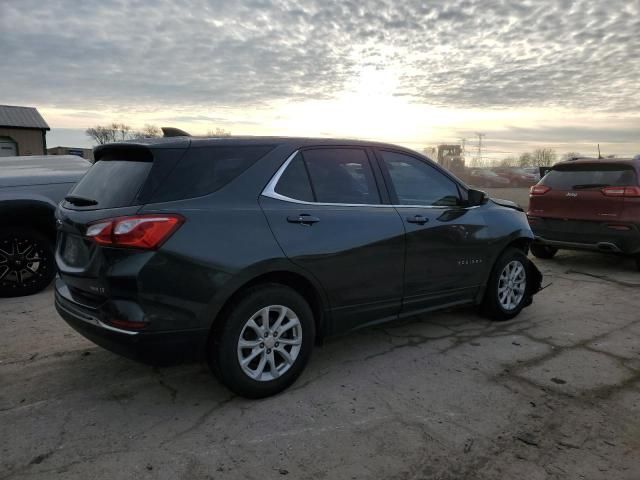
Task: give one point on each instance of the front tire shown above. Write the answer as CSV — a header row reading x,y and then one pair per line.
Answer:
x,y
265,341
26,261
543,251
509,287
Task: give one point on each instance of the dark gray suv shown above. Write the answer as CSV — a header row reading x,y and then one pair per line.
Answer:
x,y
251,250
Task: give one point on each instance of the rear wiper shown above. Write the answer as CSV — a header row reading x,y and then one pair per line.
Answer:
x,y
80,201
589,185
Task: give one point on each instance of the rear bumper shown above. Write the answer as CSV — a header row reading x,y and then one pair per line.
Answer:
x,y
149,347
582,235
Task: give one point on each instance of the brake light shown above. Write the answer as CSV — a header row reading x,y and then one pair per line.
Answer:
x,y
621,191
146,232
539,190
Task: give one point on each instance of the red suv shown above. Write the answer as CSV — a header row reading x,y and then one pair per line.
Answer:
x,y
587,204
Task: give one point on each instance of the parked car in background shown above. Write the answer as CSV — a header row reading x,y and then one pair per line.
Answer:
x,y
534,171
30,189
587,204
483,177
252,249
518,177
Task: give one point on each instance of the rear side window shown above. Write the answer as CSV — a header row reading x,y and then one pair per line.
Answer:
x,y
112,183
341,175
204,170
294,182
585,176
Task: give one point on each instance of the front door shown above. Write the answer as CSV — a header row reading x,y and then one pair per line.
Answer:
x,y
326,212
445,240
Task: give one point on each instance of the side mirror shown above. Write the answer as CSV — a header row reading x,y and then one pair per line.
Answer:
x,y
476,197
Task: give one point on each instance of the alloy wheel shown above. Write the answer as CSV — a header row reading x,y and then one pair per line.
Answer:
x,y
512,284
269,343
21,262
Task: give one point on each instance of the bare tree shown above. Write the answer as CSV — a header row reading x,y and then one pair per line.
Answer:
x,y
118,132
122,131
148,131
219,132
544,157
508,162
569,156
525,160
101,134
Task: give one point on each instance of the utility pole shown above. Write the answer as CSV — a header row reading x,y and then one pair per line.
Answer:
x,y
479,159
463,144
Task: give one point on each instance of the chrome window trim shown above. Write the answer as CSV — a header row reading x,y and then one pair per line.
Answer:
x,y
270,191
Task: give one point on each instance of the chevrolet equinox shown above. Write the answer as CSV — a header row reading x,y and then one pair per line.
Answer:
x,y
251,250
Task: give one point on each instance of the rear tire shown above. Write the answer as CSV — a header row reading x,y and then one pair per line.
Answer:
x,y
543,251
272,329
509,287
27,263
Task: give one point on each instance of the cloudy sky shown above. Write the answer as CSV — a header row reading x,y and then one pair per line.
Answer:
x,y
564,74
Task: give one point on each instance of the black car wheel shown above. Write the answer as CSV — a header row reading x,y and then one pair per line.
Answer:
x,y
26,262
509,287
265,342
543,251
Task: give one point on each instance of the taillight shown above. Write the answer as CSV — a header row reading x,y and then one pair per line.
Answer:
x,y
538,190
621,191
146,232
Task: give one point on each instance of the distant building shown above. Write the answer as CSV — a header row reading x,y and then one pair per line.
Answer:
x,y
86,153
23,131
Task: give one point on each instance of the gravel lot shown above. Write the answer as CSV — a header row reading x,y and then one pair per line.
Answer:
x,y
552,394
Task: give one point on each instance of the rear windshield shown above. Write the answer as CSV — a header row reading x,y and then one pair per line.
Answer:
x,y
204,170
585,176
112,183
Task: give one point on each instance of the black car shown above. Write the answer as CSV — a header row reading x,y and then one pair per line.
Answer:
x,y
251,250
30,189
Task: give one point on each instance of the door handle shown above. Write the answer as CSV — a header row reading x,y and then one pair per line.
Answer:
x,y
303,219
419,219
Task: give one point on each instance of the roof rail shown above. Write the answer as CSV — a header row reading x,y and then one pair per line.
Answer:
x,y
174,132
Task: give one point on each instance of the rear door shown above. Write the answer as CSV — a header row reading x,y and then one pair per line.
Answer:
x,y
327,213
446,241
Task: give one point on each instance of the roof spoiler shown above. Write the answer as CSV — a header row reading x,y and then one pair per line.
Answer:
x,y
174,132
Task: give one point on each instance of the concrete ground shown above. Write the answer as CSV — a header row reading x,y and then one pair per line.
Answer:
x,y
553,394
